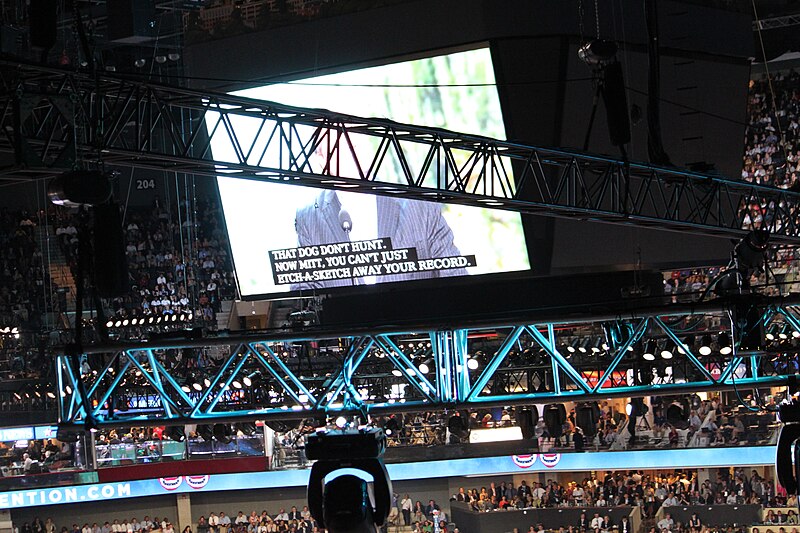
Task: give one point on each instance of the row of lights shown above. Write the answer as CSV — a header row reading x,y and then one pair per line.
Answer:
x,y
424,367
10,332
193,385
666,349
152,320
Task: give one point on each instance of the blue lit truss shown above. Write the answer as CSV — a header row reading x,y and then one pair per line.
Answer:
x,y
302,374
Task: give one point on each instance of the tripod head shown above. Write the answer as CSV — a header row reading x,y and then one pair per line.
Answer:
x,y
344,503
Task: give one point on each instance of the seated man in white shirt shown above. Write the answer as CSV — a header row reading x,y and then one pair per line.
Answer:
x,y
596,522
282,515
241,518
213,523
224,520
666,523
671,500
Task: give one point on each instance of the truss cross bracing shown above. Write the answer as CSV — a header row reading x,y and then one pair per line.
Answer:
x,y
50,117
297,374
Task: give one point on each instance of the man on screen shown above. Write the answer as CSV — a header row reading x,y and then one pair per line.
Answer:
x,y
337,216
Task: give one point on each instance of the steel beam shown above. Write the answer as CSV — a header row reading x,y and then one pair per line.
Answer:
x,y
108,120
379,372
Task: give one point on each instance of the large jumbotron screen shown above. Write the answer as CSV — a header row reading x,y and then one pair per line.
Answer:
x,y
288,238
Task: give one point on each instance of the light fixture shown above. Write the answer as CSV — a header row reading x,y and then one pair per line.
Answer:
x,y
666,350
139,63
724,341
247,381
110,323
396,372
705,345
472,364
650,351
341,422
236,384
197,386
186,388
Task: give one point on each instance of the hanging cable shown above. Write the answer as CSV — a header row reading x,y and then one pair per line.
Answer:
x,y
766,70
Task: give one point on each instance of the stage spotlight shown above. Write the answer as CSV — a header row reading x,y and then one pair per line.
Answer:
x,y
207,382
688,344
236,384
176,433
597,52
396,372
79,187
705,345
668,349
650,351
110,323
222,432
472,364
186,388
125,322
724,341
197,386
341,422
247,381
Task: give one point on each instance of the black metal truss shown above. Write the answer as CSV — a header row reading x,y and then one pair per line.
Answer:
x,y
52,117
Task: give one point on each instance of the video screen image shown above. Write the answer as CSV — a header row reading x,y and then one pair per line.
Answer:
x,y
287,237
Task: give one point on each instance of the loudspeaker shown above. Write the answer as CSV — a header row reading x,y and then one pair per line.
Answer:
x,y
131,21
222,432
748,318
587,416
616,102
42,14
554,417
110,263
527,420
787,476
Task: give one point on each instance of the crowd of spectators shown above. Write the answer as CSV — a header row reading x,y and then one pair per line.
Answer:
x,y
603,490
25,285
295,520
177,259
772,151
630,489
708,422
39,456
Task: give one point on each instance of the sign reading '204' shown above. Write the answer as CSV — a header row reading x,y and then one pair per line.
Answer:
x,y
550,460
